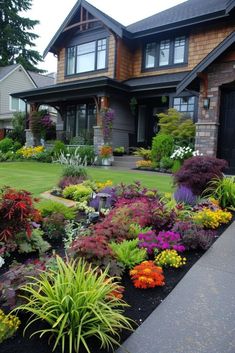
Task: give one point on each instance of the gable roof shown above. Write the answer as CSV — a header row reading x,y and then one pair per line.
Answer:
x,y
114,25
209,59
188,12
37,80
6,70
42,80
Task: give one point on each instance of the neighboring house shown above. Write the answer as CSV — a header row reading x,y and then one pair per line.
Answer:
x,y
183,57
15,78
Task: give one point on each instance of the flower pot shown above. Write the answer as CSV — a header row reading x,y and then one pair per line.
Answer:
x,y
106,161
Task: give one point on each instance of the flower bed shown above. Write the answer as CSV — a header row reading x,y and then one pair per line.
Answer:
x,y
147,239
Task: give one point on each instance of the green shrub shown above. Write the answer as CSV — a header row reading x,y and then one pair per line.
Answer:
x,y
175,124
166,163
128,252
44,157
77,192
75,171
59,147
223,190
78,303
19,124
49,207
162,146
6,145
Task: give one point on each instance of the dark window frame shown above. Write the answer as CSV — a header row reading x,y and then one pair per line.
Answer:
x,y
95,62
171,55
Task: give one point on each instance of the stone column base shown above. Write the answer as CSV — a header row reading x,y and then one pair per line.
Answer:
x,y
207,138
29,138
98,138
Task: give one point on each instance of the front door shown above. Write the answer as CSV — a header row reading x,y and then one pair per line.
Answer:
x,y
226,139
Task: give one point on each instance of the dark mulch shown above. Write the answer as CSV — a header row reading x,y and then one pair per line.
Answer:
x,y
142,303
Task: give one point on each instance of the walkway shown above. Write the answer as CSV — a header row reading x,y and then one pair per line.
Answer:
x,y
198,316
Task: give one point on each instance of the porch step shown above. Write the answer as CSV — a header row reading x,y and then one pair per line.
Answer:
x,y
125,161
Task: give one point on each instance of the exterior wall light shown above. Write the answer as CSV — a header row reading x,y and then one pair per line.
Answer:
x,y
206,103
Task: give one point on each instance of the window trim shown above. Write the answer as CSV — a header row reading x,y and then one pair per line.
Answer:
x,y
185,95
96,57
16,110
171,55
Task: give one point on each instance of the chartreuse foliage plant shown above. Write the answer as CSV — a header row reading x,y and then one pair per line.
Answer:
x,y
223,190
78,192
170,258
212,219
128,253
77,302
9,324
50,207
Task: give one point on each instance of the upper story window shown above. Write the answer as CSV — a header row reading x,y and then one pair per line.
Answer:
x,y
87,57
17,104
165,53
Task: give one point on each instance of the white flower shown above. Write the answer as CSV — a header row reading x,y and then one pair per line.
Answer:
x,y
2,262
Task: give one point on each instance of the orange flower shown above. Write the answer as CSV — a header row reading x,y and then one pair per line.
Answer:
x,y
147,275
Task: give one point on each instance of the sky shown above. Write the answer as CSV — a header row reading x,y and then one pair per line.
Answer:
x,y
51,14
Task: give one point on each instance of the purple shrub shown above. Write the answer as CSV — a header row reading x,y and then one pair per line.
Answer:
x,y
193,235
196,172
70,180
185,195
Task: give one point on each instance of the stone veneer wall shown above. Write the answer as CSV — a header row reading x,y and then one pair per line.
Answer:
x,y
208,120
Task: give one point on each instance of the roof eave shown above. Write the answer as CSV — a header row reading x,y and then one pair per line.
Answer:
x,y
230,6
103,82
208,60
177,25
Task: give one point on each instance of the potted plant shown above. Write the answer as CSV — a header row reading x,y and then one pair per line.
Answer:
x,y
106,155
119,151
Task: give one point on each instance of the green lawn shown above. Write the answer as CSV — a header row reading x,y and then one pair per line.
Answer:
x,y
38,177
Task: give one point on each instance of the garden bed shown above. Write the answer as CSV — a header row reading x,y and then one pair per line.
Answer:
x,y
142,303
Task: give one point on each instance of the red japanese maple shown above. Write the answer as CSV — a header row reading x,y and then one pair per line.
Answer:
x,y
17,213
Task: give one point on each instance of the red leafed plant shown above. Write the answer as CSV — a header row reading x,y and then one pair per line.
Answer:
x,y
17,213
147,275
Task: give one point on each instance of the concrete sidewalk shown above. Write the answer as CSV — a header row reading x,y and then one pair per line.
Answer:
x,y
198,316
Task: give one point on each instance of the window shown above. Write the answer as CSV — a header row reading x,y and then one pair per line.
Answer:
x,y
185,105
150,55
179,50
87,57
17,105
165,53
141,124
80,120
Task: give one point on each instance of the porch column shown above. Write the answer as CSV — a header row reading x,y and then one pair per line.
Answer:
x,y
98,139
208,117
28,133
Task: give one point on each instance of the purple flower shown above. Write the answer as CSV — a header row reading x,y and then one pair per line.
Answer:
x,y
185,195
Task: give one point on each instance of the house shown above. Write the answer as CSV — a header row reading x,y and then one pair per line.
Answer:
x,y
12,78
183,57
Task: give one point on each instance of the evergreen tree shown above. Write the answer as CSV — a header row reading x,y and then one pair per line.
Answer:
x,y
16,36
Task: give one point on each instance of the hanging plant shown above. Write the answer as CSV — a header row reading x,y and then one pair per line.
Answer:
x,y
108,115
133,105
